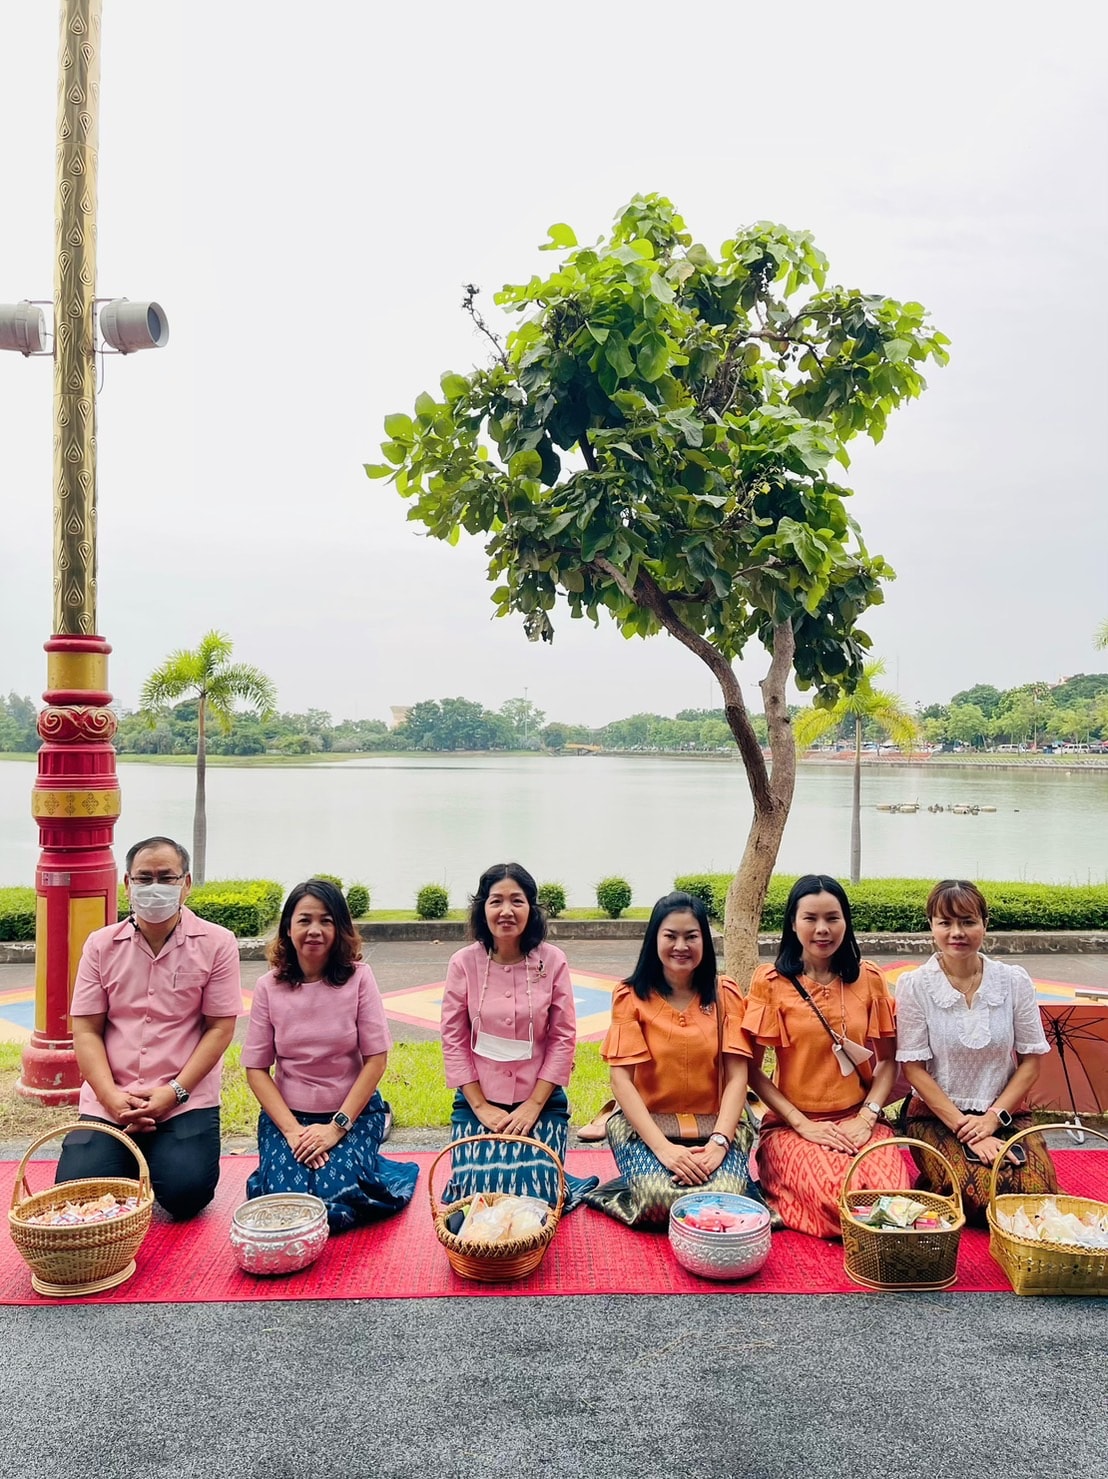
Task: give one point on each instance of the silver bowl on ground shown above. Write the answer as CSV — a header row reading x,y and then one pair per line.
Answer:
x,y
279,1234
731,1254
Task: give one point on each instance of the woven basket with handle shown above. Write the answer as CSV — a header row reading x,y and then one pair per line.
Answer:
x,y
1046,1268
89,1257
495,1263
901,1258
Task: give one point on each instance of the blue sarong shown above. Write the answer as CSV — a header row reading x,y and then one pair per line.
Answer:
x,y
357,1184
497,1165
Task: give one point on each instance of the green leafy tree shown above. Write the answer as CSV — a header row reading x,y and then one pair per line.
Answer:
x,y
208,676
654,441
984,695
966,724
525,720
864,706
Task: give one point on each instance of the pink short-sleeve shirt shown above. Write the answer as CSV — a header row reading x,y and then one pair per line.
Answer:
x,y
319,1037
157,1006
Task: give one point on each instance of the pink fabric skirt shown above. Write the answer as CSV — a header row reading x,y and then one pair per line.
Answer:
x,y
802,1181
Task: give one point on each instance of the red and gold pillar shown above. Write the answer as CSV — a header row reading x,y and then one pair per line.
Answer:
x,y
76,795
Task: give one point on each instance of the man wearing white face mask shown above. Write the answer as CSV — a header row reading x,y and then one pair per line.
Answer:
x,y
153,1010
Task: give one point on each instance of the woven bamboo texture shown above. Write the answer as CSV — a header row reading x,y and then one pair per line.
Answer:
x,y
878,1258
82,1259
495,1263
1046,1268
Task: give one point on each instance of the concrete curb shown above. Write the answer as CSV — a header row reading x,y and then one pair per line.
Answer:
x,y
434,932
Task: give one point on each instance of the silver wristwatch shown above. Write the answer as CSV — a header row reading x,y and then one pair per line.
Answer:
x,y
182,1093
878,1109
717,1137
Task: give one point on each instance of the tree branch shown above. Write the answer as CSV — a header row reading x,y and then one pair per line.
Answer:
x,y
470,307
587,452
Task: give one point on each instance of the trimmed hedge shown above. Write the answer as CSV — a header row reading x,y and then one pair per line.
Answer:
x,y
432,902
246,906
613,895
885,905
552,899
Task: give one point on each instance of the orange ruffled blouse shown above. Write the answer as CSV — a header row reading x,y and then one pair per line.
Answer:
x,y
674,1053
778,1017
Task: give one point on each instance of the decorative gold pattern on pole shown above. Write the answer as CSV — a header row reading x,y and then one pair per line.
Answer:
x,y
74,319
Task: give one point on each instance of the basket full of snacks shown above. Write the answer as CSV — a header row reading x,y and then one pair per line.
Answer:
x,y
1053,1243
494,1237
897,1239
81,1237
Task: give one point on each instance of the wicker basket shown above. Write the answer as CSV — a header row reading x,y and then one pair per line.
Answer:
x,y
67,1261
495,1263
885,1258
1046,1268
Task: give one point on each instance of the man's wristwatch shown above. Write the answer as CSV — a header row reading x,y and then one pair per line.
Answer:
x,y
873,1107
182,1093
717,1137
1003,1117
343,1121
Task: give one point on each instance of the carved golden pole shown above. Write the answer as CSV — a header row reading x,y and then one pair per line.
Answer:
x,y
76,794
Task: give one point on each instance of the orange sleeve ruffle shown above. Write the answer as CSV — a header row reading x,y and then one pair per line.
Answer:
x,y
882,1023
733,1005
761,1019
624,1043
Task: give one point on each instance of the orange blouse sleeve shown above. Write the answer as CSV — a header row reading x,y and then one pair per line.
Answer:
x,y
733,1005
624,1043
761,1019
881,1020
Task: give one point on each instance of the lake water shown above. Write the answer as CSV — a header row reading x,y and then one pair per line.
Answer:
x,y
397,823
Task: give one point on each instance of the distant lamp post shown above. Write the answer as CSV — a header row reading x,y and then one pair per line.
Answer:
x,y
76,794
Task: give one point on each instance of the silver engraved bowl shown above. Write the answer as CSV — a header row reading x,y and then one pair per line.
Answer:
x,y
279,1234
719,1255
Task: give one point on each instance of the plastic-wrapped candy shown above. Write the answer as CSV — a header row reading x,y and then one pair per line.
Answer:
x,y
1050,1224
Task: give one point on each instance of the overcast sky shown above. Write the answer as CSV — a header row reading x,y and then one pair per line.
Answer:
x,y
305,189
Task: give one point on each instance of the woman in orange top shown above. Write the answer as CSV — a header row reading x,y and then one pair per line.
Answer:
x,y
675,1048
834,1039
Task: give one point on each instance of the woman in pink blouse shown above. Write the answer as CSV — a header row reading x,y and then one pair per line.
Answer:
x,y
317,1018
509,1031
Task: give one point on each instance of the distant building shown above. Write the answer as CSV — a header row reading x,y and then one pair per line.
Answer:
x,y
399,714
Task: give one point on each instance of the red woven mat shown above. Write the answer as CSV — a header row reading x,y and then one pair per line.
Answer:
x,y
401,1259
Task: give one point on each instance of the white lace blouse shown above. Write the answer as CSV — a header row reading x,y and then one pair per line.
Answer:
x,y
969,1052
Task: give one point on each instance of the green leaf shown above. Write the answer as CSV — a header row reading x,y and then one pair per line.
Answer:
x,y
395,451
426,405
454,387
525,464
378,470
562,235
399,427
653,358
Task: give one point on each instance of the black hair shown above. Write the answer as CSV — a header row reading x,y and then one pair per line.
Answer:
x,y
133,852
345,952
534,931
847,959
648,976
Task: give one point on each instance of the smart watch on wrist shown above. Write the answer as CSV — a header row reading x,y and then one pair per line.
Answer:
x,y
1003,1117
343,1121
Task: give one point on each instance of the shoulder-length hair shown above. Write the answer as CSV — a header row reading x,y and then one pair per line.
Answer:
x,y
345,952
957,896
648,976
847,959
534,931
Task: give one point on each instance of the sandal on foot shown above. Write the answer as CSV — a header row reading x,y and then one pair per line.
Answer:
x,y
597,1128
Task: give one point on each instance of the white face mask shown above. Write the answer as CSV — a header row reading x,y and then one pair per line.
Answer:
x,y
155,902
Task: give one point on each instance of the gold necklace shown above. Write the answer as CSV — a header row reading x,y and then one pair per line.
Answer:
x,y
974,980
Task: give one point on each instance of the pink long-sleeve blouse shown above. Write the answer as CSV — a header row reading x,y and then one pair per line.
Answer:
x,y
504,1014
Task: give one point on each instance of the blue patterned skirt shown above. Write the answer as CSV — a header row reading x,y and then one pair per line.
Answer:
x,y
518,1169
357,1184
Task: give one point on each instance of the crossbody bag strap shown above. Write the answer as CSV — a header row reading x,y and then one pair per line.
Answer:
x,y
831,1033
719,1049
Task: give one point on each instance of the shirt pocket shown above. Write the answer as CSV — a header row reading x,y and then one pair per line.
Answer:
x,y
188,989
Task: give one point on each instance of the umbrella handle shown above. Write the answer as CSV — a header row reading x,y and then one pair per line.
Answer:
x,y
1019,1135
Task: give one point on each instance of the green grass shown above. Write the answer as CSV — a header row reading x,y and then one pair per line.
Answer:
x,y
414,1084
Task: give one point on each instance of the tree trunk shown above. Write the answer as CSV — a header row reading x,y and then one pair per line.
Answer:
x,y
747,895
199,813
856,806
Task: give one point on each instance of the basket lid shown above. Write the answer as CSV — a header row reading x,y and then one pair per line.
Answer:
x,y
283,1211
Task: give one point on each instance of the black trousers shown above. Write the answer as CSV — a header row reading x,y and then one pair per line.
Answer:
x,y
182,1153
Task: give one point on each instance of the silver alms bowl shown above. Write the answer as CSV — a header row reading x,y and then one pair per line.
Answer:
x,y
279,1234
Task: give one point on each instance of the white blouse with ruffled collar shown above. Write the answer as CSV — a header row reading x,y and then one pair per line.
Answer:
x,y
968,1051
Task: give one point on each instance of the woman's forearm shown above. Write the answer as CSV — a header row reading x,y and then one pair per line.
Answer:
x,y
1015,1090
733,1102
937,1100
639,1117
268,1095
770,1095
363,1088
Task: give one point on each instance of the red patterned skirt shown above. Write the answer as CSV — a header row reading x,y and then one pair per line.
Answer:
x,y
802,1181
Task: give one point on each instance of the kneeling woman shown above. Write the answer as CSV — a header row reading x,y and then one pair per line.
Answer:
x,y
317,1015
678,1058
509,1034
970,1037
827,1015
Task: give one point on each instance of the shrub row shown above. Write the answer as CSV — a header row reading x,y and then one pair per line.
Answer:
x,y
246,906
883,905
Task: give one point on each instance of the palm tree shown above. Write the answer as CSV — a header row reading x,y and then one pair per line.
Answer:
x,y
866,705
217,684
